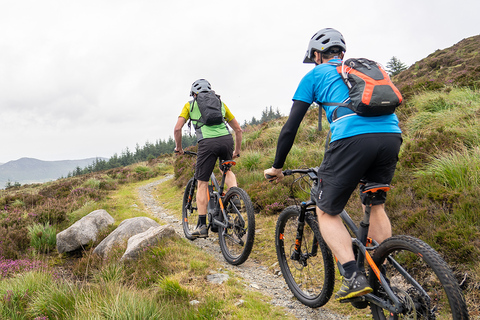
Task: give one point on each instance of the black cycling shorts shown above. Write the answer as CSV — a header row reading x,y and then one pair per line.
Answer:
x,y
209,150
371,157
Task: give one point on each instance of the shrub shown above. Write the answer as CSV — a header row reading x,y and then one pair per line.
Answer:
x,y
184,168
172,290
43,237
13,233
457,170
53,211
9,267
264,194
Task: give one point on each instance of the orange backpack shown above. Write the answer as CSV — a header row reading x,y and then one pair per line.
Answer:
x,y
371,91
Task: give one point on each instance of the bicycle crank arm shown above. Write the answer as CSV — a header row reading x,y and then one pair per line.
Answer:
x,y
239,241
381,303
219,223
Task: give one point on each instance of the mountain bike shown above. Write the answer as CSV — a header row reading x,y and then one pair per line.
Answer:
x,y
409,279
230,214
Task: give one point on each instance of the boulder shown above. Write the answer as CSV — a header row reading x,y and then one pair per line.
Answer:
x,y
83,231
151,237
123,232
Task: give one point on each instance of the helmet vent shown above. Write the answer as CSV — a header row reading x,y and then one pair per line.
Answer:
x,y
320,36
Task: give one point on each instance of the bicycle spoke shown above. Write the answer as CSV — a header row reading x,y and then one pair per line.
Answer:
x,y
310,272
420,280
236,240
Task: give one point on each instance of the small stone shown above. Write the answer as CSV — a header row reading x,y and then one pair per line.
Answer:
x,y
194,302
255,286
218,278
239,303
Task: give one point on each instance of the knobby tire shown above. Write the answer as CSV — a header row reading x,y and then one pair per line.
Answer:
x,y
189,209
236,240
426,266
312,278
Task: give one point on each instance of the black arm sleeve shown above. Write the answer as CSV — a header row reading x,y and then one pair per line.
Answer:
x,y
289,131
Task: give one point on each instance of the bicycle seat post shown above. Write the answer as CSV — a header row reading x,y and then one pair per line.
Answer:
x,y
371,190
225,166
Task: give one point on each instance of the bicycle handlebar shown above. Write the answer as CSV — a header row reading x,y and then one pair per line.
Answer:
x,y
186,152
290,172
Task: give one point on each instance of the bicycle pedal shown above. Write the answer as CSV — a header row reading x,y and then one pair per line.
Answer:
x,y
355,301
359,304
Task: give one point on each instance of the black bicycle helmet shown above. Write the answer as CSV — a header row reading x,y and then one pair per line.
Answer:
x,y
200,85
322,41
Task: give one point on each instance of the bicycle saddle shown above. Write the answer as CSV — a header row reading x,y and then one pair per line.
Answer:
x,y
375,187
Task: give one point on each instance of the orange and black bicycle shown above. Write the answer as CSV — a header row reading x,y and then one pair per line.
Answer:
x,y
410,280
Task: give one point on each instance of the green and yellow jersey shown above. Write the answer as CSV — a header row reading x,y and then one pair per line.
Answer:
x,y
203,131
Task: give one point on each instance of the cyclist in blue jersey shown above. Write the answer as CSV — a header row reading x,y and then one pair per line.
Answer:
x,y
360,148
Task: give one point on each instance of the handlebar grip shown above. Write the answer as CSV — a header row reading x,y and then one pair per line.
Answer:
x,y
269,176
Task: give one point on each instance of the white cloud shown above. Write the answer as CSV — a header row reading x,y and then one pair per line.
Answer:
x,y
89,78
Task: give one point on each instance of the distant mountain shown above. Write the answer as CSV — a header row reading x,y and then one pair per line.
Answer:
x,y
28,170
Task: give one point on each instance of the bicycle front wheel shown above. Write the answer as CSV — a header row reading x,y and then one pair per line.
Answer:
x,y
310,273
429,290
189,209
236,240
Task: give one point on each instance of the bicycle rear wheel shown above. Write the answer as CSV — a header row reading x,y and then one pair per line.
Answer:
x,y
236,240
189,209
441,298
311,277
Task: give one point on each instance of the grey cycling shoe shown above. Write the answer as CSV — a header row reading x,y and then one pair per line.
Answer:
x,y
200,232
355,286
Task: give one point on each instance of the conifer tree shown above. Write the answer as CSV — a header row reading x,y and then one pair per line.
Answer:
x,y
395,66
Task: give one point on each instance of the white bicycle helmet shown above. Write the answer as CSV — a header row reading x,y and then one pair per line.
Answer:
x,y
200,85
322,41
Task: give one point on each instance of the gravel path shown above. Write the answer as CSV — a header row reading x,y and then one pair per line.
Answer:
x,y
256,276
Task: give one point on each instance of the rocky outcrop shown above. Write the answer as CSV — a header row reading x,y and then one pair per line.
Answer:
x,y
83,231
137,233
123,232
151,237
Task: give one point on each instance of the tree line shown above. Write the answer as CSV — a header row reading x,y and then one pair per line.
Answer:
x,y
127,157
153,150
267,115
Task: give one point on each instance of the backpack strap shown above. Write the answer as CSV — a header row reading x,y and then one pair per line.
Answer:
x,y
198,123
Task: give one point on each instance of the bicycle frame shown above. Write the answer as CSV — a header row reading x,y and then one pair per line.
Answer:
x,y
216,192
360,241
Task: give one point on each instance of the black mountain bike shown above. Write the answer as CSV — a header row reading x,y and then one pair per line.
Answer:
x,y
409,278
230,214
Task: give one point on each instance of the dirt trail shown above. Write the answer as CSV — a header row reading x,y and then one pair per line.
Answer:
x,y
256,277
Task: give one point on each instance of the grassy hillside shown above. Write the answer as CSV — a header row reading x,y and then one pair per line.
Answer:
x,y
437,182
435,197
458,65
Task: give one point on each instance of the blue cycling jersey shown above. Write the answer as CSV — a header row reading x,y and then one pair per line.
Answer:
x,y
324,84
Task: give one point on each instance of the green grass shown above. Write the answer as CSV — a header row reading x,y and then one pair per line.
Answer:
x,y
43,237
456,170
434,197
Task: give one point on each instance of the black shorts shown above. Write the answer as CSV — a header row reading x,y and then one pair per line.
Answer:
x,y
209,150
371,157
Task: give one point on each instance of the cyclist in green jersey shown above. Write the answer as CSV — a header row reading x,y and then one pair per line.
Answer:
x,y
214,142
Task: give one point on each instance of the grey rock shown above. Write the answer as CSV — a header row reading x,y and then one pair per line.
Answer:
x,y
83,231
126,229
218,278
151,237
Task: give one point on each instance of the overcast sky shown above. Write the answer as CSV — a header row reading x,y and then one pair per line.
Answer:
x,y
81,79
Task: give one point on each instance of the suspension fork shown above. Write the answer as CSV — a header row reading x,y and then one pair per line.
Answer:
x,y
191,193
297,252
